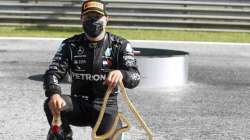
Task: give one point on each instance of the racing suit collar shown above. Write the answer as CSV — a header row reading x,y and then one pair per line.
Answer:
x,y
89,39
95,44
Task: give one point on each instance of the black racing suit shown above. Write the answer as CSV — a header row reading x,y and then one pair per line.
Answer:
x,y
89,63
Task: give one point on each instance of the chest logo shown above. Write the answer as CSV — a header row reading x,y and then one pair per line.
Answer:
x,y
80,51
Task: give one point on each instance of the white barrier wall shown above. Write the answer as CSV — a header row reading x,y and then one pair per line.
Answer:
x,y
162,68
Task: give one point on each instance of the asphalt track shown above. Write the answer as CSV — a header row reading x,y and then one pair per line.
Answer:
x,y
213,105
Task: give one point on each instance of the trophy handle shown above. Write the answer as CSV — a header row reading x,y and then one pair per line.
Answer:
x,y
113,132
134,111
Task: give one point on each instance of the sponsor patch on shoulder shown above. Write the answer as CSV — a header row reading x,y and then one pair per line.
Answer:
x,y
60,47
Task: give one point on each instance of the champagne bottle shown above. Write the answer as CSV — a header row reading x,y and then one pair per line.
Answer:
x,y
56,124
56,132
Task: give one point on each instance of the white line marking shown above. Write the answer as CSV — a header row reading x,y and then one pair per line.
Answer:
x,y
152,41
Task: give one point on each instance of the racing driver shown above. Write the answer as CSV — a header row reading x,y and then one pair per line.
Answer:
x,y
95,60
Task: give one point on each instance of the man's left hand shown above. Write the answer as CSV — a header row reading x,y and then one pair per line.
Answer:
x,y
113,78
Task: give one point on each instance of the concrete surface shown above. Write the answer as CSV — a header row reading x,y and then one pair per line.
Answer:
x,y
213,105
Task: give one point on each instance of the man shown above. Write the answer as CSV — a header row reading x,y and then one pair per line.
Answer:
x,y
95,60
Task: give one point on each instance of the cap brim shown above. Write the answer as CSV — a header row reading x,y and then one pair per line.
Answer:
x,y
94,11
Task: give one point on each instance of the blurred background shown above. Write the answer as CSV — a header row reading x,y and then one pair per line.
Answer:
x,y
199,15
213,105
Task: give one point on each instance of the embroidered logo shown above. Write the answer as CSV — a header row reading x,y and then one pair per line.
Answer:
x,y
80,51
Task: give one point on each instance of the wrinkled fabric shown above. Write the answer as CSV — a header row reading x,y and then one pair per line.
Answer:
x,y
88,64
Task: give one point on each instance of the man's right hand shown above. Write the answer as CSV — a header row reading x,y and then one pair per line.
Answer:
x,y
56,104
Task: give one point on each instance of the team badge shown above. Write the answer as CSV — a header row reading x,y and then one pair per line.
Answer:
x,y
129,48
107,59
108,52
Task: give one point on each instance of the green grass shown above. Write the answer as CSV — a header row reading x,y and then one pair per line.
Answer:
x,y
130,34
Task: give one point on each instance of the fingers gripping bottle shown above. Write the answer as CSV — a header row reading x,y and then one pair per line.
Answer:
x,y
56,131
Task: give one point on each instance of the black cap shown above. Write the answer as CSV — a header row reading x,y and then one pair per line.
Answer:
x,y
93,6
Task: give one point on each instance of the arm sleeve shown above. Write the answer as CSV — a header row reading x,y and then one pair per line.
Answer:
x,y
57,70
128,66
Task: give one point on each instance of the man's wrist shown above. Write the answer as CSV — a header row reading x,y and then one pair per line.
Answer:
x,y
54,94
52,89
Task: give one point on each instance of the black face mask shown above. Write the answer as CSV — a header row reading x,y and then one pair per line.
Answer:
x,y
93,26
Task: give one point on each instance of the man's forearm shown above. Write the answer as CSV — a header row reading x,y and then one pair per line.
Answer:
x,y
50,84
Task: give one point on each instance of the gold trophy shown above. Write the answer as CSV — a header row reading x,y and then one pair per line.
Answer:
x,y
114,132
